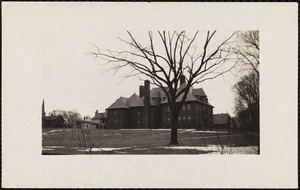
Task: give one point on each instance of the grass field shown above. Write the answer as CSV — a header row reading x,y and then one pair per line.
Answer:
x,y
145,141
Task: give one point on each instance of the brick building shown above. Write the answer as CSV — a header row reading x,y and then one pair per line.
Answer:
x,y
150,109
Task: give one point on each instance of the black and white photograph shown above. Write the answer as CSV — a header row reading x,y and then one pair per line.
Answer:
x,y
149,95
170,112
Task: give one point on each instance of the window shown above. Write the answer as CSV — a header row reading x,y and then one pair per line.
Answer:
x,y
189,107
115,121
168,108
139,113
115,112
169,119
189,118
183,118
183,108
179,118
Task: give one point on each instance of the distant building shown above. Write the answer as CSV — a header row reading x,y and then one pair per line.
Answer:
x,y
222,121
100,119
150,110
87,123
52,121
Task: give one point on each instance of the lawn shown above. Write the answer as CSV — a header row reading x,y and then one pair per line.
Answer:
x,y
145,141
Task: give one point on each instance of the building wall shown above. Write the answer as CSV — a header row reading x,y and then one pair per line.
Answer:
x,y
192,115
103,123
58,123
118,118
155,115
136,116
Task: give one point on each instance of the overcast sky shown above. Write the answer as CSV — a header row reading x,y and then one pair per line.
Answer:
x,y
58,39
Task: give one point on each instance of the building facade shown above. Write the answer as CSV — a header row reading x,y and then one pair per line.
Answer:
x,y
100,119
222,121
150,109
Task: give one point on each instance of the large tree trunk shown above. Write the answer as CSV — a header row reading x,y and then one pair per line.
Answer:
x,y
174,125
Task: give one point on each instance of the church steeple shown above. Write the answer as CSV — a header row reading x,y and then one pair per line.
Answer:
x,y
43,109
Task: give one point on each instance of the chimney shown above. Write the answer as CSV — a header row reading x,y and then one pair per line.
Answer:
x,y
147,104
142,91
182,79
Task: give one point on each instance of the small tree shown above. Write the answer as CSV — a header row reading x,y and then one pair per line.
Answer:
x,y
168,57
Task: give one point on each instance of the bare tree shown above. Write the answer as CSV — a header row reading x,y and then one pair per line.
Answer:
x,y
168,57
247,102
247,50
70,116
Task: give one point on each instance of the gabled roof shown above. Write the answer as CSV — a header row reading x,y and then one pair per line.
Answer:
x,y
157,93
52,118
191,96
199,92
221,118
133,97
100,115
135,101
119,103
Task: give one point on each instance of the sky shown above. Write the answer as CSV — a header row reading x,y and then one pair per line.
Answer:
x,y
58,40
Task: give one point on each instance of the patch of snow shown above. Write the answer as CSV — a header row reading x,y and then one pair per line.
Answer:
x,y
107,149
161,129
141,149
48,149
145,129
52,147
134,129
57,130
216,149
207,137
209,131
121,152
186,130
